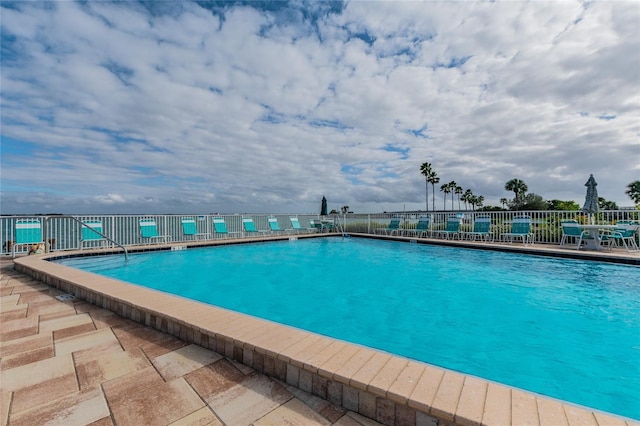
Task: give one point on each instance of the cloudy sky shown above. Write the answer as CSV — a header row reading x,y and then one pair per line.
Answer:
x,y
180,107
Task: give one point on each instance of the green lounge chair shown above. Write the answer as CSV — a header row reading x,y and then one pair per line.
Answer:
x,y
190,229
571,231
274,226
422,228
220,226
28,232
296,228
250,227
91,234
624,233
481,230
452,230
149,231
394,227
520,228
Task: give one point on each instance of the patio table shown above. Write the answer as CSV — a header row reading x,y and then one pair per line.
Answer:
x,y
595,242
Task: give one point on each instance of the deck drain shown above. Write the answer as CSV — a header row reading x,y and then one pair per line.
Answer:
x,y
65,297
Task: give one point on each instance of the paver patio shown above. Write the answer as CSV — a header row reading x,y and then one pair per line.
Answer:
x,y
73,363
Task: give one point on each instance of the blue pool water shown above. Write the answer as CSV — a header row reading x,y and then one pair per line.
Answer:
x,y
564,328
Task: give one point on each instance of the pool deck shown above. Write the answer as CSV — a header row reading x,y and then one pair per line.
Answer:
x,y
122,354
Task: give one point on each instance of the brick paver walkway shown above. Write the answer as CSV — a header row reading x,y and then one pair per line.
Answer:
x,y
69,362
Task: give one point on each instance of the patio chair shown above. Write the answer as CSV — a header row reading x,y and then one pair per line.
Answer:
x,y
296,228
274,226
320,226
571,231
250,227
220,226
624,233
422,228
394,227
91,234
452,229
520,228
481,230
28,232
190,229
149,231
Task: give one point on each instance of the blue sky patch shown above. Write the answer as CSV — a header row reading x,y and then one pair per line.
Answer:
x,y
404,152
122,73
419,133
335,124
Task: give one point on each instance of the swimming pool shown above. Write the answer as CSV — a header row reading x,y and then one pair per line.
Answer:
x,y
563,328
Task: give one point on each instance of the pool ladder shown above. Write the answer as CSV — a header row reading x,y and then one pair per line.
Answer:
x,y
126,254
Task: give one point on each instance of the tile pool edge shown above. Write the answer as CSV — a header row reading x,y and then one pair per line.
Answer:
x,y
384,387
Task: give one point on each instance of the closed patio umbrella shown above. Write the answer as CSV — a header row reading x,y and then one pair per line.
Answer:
x,y
323,208
591,205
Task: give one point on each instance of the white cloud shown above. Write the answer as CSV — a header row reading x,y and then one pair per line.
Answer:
x,y
256,110
110,199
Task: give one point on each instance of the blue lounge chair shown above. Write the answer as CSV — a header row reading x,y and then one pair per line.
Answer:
x,y
481,230
452,230
393,228
274,226
624,233
190,229
421,229
250,227
296,228
220,226
571,231
28,232
149,231
91,234
520,228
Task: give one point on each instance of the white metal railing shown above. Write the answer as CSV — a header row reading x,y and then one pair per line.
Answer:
x,y
64,233
545,225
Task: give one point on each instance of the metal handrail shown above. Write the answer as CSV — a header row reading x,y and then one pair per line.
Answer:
x,y
126,254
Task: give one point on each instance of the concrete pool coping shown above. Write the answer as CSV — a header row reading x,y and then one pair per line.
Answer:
x,y
381,386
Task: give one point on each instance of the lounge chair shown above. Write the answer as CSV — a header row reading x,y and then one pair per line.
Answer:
x,y
274,226
190,229
571,231
91,233
520,228
624,233
481,230
28,232
452,230
220,226
250,227
296,228
394,227
422,228
149,231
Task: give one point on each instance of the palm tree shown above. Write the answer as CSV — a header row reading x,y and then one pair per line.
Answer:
x,y
518,187
458,190
504,202
452,187
633,191
433,179
446,189
479,200
466,197
426,171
